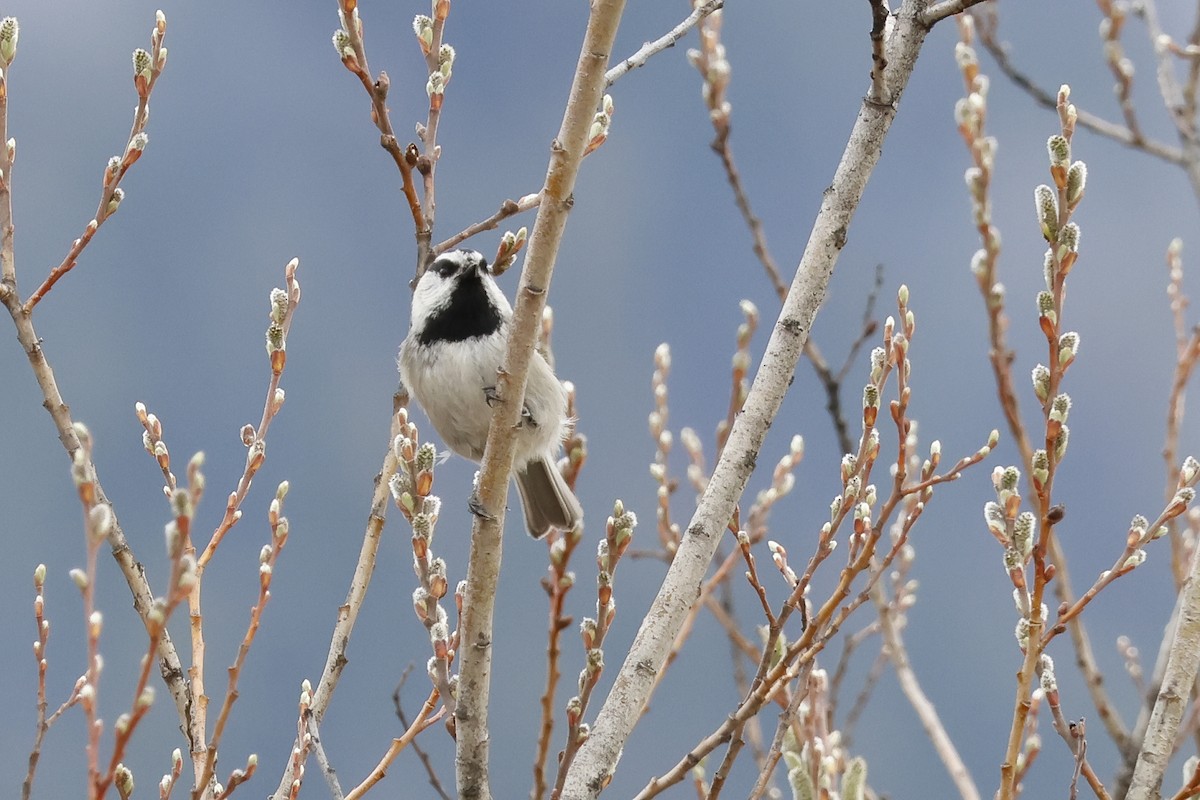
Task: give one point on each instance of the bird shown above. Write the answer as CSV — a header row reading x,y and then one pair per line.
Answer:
x,y
458,333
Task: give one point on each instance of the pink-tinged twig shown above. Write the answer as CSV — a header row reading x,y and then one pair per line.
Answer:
x,y
282,311
348,41
1187,354
43,637
780,662
31,343
425,718
411,488
558,582
143,599
618,533
315,702
530,201
971,117
99,522
147,66
1072,733
434,780
267,559
1191,786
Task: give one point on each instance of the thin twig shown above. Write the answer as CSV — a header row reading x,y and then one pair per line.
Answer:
x,y
425,718
347,615
331,778
1187,354
1047,99
649,49
267,561
897,653
638,59
508,209
635,680
776,670
558,584
984,266
144,82
39,652
31,343
618,533
283,308
354,57
439,60
878,666
710,62
786,718
434,780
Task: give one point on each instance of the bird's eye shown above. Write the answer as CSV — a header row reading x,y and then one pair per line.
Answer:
x,y
444,267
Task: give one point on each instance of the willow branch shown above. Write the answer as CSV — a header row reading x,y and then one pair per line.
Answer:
x,y
507,209
111,193
598,757
1173,695
1086,119
424,719
484,565
897,653
336,661
650,49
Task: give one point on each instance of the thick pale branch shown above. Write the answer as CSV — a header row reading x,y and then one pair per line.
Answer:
x,y
484,567
1173,696
597,759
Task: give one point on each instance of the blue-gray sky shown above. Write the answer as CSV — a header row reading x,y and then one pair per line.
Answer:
x,y
261,150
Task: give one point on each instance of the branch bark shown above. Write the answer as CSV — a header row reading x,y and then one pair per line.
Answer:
x,y
483,569
336,660
1173,696
597,758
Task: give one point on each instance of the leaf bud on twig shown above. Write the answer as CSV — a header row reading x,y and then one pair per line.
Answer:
x,y
1076,182
1068,346
142,71
10,31
115,201
1047,211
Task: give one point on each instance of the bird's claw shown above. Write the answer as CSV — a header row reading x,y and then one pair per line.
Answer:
x,y
475,506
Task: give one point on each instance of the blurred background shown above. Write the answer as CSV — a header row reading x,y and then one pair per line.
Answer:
x,y
261,150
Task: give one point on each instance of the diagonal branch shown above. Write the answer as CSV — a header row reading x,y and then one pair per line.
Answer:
x,y
347,615
597,758
1047,99
650,49
1176,687
483,569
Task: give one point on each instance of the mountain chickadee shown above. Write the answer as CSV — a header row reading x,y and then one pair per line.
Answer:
x,y
449,360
